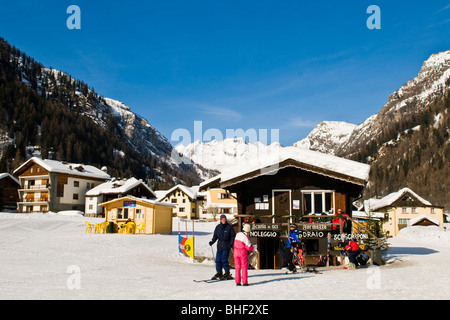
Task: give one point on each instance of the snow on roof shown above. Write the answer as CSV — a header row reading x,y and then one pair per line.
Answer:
x,y
421,217
191,192
4,175
139,199
375,204
68,168
364,215
320,160
117,186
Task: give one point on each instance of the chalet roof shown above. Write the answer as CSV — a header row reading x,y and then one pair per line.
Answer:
x,y
8,175
191,192
423,217
313,161
65,167
149,201
376,204
118,186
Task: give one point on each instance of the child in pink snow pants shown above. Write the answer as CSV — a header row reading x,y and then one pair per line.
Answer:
x,y
242,246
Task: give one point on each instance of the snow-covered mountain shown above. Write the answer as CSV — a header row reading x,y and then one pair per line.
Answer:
x,y
431,84
327,136
344,139
219,155
62,117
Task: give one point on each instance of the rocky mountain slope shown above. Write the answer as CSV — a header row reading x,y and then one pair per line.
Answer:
x,y
46,112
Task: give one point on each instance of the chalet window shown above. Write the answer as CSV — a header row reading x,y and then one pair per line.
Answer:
x,y
91,207
125,213
174,200
432,210
404,210
225,210
318,201
414,210
181,209
76,184
184,200
119,213
75,196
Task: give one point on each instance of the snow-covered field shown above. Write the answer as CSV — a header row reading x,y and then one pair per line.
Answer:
x,y
49,256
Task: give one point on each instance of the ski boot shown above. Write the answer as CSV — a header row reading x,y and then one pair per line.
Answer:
x,y
217,276
227,276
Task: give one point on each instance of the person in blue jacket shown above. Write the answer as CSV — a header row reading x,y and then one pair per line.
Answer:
x,y
292,241
224,234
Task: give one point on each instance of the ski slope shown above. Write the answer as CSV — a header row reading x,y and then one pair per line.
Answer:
x,y
42,253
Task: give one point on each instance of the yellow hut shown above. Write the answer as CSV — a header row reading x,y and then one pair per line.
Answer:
x,y
152,216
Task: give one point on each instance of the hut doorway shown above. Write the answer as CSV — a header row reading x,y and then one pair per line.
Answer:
x,y
281,205
269,258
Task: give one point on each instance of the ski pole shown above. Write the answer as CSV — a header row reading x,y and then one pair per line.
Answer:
x,y
212,250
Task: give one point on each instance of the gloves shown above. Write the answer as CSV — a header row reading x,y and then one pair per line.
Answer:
x,y
210,243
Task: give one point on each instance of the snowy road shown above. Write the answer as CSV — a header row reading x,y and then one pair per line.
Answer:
x,y
51,257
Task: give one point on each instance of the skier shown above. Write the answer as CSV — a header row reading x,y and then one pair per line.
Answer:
x,y
242,246
353,252
292,241
224,235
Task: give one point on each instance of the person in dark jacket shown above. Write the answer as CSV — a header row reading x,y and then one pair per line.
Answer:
x,y
224,234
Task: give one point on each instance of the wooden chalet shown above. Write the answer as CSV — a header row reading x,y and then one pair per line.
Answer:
x,y
294,186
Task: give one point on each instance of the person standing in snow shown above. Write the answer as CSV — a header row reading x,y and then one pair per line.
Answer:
x,y
242,246
292,241
224,235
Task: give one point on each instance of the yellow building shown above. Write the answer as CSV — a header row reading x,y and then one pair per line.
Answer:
x,y
157,216
405,208
183,198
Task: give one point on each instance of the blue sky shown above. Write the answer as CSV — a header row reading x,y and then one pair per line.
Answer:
x,y
247,64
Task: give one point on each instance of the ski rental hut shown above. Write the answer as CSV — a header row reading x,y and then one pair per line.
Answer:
x,y
293,185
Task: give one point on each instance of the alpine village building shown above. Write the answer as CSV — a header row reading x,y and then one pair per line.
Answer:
x,y
50,185
297,186
404,208
9,192
113,189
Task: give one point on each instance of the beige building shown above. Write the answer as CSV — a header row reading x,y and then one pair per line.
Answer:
x,y
405,208
156,216
183,198
215,201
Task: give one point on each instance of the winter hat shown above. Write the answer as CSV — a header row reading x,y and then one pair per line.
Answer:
x,y
246,228
223,216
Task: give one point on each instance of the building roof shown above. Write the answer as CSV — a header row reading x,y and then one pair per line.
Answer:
x,y
423,217
65,167
118,187
8,175
149,201
376,204
191,192
313,161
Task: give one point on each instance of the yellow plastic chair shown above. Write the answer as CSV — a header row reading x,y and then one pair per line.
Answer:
x,y
97,228
140,228
89,227
103,227
130,227
121,228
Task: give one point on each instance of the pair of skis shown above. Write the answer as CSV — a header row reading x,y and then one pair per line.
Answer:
x,y
212,280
